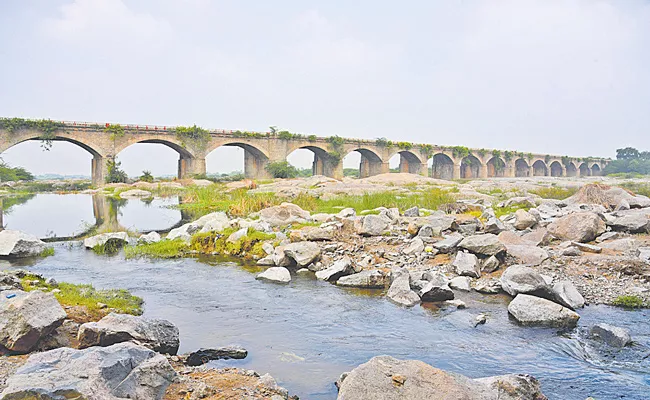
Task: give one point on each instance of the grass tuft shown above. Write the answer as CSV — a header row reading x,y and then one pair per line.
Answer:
x,y
162,249
48,251
629,301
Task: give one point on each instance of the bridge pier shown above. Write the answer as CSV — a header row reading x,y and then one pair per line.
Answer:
x,y
254,166
456,174
368,167
99,170
189,167
483,171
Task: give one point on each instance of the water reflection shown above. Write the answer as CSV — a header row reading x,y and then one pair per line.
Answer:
x,y
71,216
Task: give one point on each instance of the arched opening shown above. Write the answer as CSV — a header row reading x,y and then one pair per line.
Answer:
x,y
236,160
362,163
595,170
522,169
157,158
584,170
556,169
496,167
540,168
322,163
64,159
571,169
470,167
405,162
442,167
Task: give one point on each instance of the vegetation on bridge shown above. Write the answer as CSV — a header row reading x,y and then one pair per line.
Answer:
x,y
194,136
48,128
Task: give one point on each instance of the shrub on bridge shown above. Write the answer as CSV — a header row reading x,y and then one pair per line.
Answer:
x,y
193,135
282,169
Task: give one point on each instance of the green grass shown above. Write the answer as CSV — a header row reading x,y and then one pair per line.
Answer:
x,y
48,251
86,295
111,247
629,301
557,193
638,188
501,211
163,249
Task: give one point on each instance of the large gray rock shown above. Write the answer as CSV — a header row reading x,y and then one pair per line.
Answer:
x,y
400,290
284,214
151,237
120,238
156,334
612,335
441,221
27,317
578,227
416,246
493,225
275,274
412,212
340,268
213,222
20,244
518,279
532,310
373,225
527,254
524,220
364,279
183,232
487,244
461,283
121,371
567,295
437,290
448,244
311,233
303,253
387,378
644,254
467,264
633,221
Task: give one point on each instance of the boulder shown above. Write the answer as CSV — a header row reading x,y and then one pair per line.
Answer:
x,y
183,232
448,244
609,236
519,279
632,221
311,233
493,225
532,310
467,264
387,378
612,335
566,294
436,291
20,244
135,193
346,213
275,274
490,264
571,251
121,371
412,212
213,222
644,254
428,231
364,279
27,317
488,286
578,227
527,254
373,225
284,214
589,248
400,290
120,238
156,334
416,246
486,244
237,235
151,237
303,253
524,220
280,258
461,283
625,244
203,355
440,221
538,237
340,268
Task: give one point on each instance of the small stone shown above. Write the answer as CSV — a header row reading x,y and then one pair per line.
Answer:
x,y
589,248
459,304
480,320
399,379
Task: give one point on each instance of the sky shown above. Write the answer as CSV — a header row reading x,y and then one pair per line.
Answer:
x,y
567,77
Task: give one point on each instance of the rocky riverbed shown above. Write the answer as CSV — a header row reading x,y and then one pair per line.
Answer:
x,y
551,257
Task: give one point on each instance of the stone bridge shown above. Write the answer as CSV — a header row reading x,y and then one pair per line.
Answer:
x,y
260,149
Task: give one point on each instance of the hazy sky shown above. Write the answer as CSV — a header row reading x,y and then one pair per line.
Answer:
x,y
549,76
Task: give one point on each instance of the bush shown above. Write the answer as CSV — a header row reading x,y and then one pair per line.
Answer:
x,y
282,169
8,173
115,174
146,176
628,301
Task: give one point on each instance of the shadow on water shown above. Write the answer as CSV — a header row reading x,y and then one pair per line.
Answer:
x,y
306,333
57,217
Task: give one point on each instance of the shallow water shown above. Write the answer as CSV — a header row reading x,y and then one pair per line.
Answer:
x,y
308,332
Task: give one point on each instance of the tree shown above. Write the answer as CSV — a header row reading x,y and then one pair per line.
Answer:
x,y
115,174
282,169
146,176
628,153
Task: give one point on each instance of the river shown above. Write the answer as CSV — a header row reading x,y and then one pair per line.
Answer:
x,y
308,332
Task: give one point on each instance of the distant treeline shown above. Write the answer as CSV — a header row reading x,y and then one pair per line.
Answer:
x,y
629,161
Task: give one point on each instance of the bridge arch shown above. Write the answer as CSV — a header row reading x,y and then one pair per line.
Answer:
x,y
556,168
571,169
470,167
540,168
584,169
522,169
370,163
442,167
595,170
496,167
188,164
410,162
255,158
324,163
